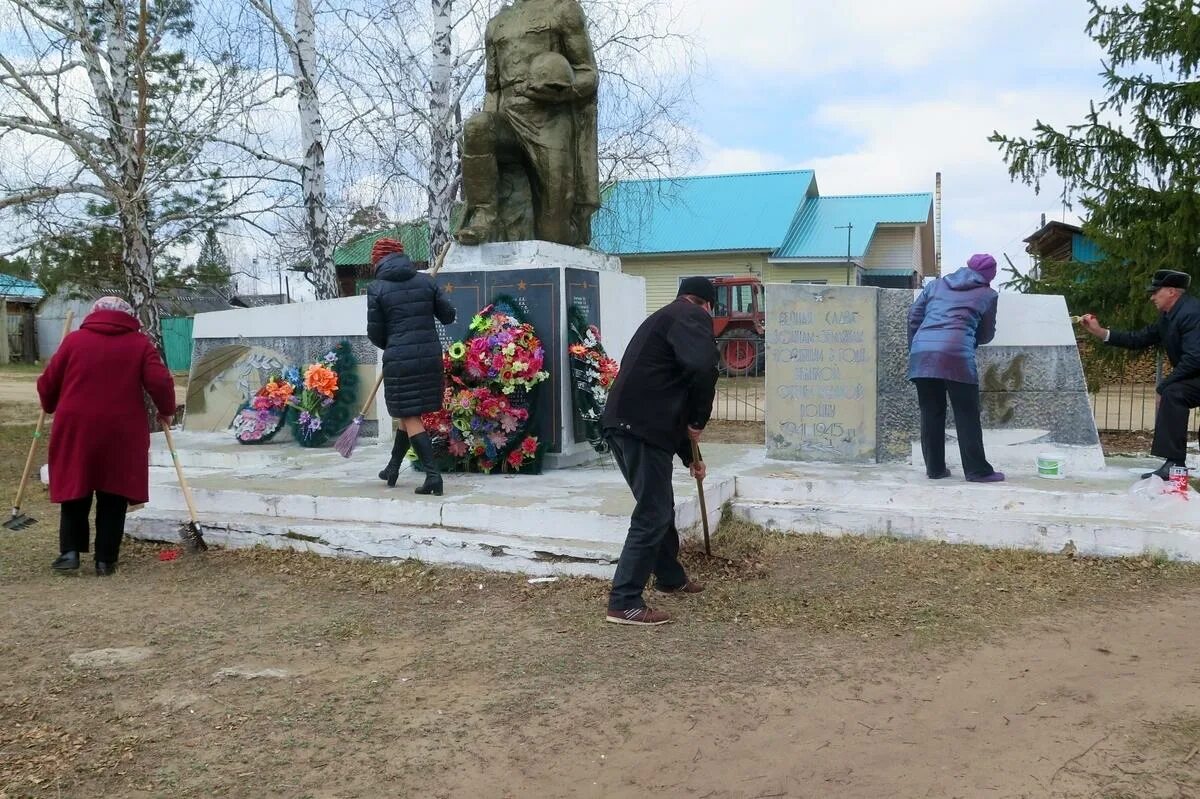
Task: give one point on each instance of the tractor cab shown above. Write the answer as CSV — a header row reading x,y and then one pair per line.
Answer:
x,y
738,324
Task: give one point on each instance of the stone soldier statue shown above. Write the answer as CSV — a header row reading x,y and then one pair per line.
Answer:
x,y
529,158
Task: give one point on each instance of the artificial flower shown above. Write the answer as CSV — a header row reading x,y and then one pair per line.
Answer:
x,y
321,379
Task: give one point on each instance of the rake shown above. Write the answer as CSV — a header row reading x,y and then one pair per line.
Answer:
x,y
703,505
19,520
189,531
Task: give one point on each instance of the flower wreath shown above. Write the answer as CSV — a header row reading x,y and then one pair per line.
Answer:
x,y
488,407
592,375
318,401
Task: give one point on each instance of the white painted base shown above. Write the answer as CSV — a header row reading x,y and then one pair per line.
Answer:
x,y
1096,513
574,521
526,254
1015,453
571,521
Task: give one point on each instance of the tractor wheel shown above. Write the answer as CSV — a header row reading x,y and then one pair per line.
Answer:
x,y
742,353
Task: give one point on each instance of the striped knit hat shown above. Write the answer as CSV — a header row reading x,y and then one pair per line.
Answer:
x,y
385,246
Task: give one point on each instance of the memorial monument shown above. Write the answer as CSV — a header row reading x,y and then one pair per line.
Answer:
x,y
837,390
530,167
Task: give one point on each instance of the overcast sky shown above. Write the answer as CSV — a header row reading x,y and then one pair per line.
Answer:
x,y
878,95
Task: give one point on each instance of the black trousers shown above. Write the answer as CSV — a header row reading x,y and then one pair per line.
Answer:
x,y
1171,420
964,397
652,546
74,533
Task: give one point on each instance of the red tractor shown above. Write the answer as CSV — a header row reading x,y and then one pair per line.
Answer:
x,y
738,325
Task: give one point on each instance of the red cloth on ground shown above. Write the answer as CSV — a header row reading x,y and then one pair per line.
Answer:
x,y
100,439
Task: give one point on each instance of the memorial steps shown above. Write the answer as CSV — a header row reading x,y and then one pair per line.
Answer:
x,y
1095,512
573,521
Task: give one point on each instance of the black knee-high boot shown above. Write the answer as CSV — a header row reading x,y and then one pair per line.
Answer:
x,y
391,472
433,478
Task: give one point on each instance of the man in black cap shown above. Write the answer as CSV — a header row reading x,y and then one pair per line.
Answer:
x,y
1177,331
657,407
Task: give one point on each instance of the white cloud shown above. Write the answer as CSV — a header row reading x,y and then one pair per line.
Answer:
x,y
810,39
903,145
718,160
896,146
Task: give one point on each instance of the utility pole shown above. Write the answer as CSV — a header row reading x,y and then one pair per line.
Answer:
x,y
849,228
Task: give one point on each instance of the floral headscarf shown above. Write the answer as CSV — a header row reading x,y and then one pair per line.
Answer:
x,y
113,304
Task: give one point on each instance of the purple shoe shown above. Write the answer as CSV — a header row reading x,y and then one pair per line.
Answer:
x,y
944,473
994,477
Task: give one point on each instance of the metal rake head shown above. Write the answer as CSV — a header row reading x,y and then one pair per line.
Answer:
x,y
192,538
20,521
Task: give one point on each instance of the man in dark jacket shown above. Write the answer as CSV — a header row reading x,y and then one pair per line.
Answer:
x,y
658,406
1177,331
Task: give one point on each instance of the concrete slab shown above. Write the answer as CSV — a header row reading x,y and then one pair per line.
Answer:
x,y
1096,512
568,521
574,521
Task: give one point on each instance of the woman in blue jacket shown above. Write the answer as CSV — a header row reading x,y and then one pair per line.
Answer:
x,y
954,315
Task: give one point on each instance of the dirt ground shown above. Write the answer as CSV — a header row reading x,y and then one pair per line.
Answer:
x,y
811,667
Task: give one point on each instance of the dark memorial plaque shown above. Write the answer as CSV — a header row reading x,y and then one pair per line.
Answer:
x,y
538,294
583,292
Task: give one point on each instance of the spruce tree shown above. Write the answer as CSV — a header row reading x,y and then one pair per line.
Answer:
x,y
1133,162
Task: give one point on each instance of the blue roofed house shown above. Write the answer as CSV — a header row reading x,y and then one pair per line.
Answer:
x,y
1061,242
775,225
18,300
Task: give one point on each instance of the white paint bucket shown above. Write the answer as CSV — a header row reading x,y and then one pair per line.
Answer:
x,y
1052,465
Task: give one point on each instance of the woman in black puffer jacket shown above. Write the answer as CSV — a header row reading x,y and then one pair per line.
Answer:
x,y
401,306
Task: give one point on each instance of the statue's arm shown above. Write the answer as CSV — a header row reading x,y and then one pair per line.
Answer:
x,y
577,49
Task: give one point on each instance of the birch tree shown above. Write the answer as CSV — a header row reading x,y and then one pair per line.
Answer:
x,y
110,114
300,43
442,185
417,73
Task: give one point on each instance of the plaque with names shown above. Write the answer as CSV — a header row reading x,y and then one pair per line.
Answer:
x,y
821,373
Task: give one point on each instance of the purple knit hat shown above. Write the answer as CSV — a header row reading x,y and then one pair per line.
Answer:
x,y
984,264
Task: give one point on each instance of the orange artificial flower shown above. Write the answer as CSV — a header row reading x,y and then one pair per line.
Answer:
x,y
279,392
322,380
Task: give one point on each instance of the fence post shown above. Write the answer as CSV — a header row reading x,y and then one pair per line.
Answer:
x,y
5,355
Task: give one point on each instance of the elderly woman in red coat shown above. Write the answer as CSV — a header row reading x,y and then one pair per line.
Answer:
x,y
100,441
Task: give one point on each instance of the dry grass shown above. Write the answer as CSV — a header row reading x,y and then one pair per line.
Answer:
x,y
428,661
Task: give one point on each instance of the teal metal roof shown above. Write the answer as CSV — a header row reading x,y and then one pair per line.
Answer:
x,y
20,290
715,213
816,234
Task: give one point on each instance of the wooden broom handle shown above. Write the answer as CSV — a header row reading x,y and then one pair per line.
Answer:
x,y
37,431
441,259
37,434
371,398
183,485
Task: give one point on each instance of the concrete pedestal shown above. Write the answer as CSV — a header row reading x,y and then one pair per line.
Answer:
x,y
546,280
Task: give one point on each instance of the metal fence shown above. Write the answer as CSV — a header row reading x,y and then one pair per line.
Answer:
x,y
741,389
1122,393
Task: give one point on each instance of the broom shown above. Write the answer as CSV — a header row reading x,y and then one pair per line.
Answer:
x,y
19,520
349,437
189,531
